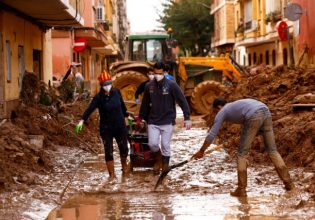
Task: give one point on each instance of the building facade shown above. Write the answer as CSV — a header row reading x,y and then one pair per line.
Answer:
x,y
223,39
101,48
256,37
25,43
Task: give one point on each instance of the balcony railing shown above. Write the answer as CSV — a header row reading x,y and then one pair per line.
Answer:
x,y
248,25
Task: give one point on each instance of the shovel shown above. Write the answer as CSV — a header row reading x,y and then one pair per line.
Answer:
x,y
165,172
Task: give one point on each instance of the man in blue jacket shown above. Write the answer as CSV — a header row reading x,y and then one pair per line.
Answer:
x,y
255,117
158,109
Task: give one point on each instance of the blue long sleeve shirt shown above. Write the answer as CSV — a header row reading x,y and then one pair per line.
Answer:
x,y
158,105
236,112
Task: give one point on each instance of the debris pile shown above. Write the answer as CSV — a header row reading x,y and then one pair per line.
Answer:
x,y
294,127
41,123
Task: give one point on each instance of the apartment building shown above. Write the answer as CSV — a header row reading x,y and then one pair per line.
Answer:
x,y
223,39
98,37
256,36
25,43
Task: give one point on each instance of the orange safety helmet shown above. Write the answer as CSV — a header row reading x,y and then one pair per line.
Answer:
x,y
104,79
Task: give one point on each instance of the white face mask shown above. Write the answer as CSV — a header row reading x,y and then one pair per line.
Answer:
x,y
107,88
158,77
151,77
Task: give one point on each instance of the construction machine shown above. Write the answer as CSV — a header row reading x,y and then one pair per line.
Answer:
x,y
204,78
200,78
141,52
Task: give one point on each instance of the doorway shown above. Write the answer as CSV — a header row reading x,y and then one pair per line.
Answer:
x,y
37,63
21,66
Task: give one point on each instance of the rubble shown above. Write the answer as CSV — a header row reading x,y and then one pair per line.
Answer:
x,y
41,122
279,88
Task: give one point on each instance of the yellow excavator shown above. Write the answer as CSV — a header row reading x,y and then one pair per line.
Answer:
x,y
204,78
201,78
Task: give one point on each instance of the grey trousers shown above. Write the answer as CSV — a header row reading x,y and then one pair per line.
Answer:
x,y
163,134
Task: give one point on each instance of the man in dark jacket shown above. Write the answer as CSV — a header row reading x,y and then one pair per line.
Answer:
x,y
112,111
255,117
158,109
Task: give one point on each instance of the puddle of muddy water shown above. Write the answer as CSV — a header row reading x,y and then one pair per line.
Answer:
x,y
170,206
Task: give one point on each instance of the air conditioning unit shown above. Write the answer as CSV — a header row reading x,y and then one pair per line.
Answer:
x,y
100,13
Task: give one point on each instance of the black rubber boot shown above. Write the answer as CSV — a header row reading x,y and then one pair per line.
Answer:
x,y
165,163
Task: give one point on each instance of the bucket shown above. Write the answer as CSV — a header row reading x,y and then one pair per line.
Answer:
x,y
36,141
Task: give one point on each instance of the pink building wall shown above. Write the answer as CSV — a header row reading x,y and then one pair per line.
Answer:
x,y
88,14
307,26
62,53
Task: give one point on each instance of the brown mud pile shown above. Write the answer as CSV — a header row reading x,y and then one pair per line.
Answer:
x,y
21,152
294,128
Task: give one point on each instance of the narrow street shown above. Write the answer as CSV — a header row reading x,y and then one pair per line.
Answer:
x,y
75,74
198,190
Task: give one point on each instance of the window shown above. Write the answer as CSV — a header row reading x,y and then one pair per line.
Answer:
x,y
261,58
138,50
272,6
248,14
273,57
154,50
267,57
8,60
255,59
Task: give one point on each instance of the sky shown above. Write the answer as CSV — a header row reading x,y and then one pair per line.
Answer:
x,y
143,14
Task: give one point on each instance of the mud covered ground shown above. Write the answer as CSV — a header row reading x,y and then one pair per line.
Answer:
x,y
78,187
35,179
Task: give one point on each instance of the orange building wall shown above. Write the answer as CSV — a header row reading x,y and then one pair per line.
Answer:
x,y
307,26
62,54
19,33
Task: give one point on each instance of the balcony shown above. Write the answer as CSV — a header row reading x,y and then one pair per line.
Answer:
x,y
273,17
248,25
239,32
94,37
48,12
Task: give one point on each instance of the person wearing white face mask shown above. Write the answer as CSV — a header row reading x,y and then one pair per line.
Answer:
x,y
141,87
112,111
158,109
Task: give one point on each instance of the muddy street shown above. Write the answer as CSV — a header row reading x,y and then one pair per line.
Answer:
x,y
198,190
77,188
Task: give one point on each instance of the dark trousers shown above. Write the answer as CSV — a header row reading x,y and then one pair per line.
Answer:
x,y
122,142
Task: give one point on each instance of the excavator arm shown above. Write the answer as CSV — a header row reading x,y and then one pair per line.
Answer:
x,y
217,63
